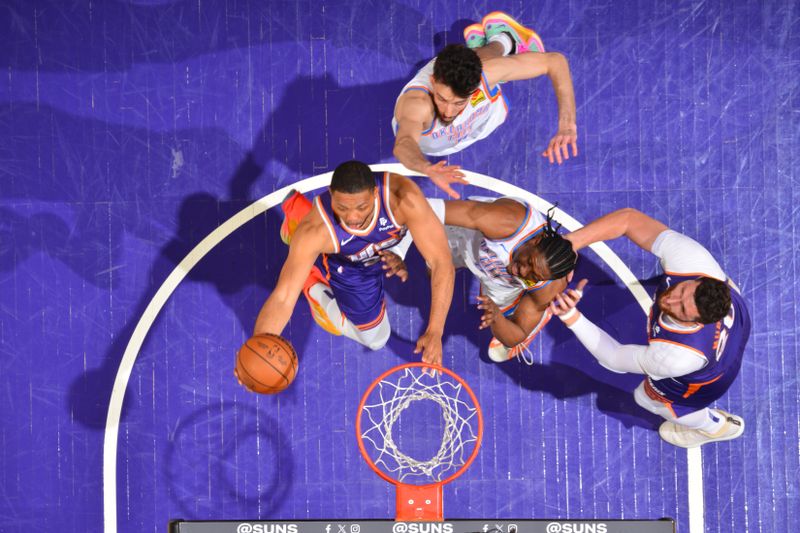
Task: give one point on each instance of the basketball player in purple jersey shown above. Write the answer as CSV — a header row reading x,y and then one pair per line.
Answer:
x,y
456,99
697,329
342,240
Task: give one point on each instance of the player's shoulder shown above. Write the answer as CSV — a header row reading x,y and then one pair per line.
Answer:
x,y
415,105
506,215
682,255
404,194
313,226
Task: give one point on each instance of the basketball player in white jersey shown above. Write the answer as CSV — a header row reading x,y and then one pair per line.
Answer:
x,y
697,331
456,99
521,261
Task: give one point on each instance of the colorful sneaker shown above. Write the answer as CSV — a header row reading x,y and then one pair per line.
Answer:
x,y
474,36
500,353
321,317
684,437
526,39
294,208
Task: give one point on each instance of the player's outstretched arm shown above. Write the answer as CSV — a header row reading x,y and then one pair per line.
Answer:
x,y
413,210
414,110
496,220
659,360
309,240
628,222
515,329
555,66
620,358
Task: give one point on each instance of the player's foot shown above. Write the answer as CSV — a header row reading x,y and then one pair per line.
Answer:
x,y
474,35
499,353
684,437
317,291
294,208
525,39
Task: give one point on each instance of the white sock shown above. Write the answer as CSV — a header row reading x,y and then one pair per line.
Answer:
x,y
708,420
505,41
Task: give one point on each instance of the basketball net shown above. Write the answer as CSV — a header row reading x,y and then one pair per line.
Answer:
x,y
419,480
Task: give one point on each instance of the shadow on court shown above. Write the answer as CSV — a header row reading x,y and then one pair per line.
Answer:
x,y
212,451
174,31
571,371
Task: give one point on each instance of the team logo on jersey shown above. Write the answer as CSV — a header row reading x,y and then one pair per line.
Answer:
x,y
477,97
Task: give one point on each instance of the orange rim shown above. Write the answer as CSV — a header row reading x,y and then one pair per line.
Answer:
x,y
438,368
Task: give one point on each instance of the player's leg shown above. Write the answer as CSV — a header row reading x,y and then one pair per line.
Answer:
x,y
294,207
368,330
361,303
475,37
687,426
322,302
372,335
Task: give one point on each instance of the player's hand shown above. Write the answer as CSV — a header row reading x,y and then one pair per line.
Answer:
x,y
430,345
490,311
442,175
564,304
558,149
393,265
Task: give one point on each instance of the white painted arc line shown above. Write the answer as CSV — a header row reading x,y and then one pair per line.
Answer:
x,y
695,479
111,435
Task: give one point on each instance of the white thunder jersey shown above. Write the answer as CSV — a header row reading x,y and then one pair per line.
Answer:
x,y
488,258
485,111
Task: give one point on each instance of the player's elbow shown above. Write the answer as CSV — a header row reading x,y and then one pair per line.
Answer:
x,y
399,143
442,265
556,64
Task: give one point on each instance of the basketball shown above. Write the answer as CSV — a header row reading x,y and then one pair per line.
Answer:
x,y
266,364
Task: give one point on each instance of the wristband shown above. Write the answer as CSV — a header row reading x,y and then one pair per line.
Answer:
x,y
569,314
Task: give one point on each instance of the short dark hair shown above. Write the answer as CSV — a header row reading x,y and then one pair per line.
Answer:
x,y
556,250
352,177
713,300
459,68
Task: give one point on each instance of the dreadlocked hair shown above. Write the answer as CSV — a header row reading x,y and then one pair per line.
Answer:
x,y
557,250
713,300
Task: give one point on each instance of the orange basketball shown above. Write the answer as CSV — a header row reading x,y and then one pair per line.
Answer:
x,y
266,363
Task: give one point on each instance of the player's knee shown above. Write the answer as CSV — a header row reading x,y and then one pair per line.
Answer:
x,y
376,338
640,397
378,344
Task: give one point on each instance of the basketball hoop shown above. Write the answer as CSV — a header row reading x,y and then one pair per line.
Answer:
x,y
398,419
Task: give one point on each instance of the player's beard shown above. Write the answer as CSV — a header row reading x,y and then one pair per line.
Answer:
x,y
441,119
661,304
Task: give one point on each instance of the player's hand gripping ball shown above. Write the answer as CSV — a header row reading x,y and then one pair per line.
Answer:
x,y
266,364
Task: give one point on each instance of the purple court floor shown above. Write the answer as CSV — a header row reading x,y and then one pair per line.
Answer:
x,y
132,129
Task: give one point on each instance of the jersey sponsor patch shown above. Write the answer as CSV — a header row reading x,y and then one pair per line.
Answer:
x,y
477,97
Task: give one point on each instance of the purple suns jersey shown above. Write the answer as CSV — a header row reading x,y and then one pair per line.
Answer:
x,y
721,345
358,249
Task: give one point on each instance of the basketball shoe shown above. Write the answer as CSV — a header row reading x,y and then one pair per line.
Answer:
x,y
525,39
500,353
317,291
684,437
294,208
474,35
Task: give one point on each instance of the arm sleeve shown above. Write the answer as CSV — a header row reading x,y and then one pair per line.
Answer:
x,y
620,358
658,360
680,254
